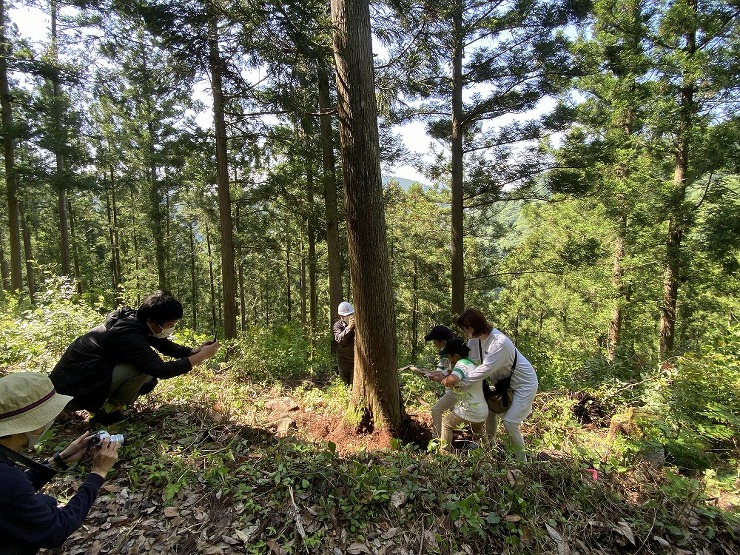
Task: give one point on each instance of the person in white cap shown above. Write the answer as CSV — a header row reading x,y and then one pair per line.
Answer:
x,y
30,520
344,335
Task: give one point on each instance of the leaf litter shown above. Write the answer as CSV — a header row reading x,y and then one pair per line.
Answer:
x,y
205,476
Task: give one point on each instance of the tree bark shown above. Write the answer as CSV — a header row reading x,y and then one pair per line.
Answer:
x,y
74,248
61,187
157,216
228,274
329,178
677,218
193,277
457,218
313,295
11,175
375,391
28,252
4,267
615,323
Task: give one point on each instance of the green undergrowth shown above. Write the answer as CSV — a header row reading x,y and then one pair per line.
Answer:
x,y
261,493
204,471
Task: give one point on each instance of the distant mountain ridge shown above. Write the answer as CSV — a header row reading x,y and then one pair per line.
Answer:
x,y
402,181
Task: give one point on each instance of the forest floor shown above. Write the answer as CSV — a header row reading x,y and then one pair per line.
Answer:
x,y
217,467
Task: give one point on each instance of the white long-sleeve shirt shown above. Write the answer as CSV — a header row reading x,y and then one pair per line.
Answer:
x,y
498,357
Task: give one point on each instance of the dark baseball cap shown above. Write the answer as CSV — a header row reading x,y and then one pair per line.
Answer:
x,y
440,333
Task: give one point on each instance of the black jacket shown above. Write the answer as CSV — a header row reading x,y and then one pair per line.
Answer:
x,y
30,520
345,338
86,368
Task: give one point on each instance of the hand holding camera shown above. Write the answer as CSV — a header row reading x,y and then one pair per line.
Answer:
x,y
105,445
107,453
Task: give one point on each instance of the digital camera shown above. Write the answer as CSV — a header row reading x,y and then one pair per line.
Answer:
x,y
102,434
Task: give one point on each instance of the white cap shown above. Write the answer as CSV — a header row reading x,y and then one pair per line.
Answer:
x,y
345,309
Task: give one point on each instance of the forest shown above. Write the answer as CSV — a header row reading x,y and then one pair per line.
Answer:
x,y
580,186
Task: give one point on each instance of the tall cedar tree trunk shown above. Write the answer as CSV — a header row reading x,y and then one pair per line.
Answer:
x,y
28,251
375,391
111,240
4,267
415,312
74,248
135,240
457,220
288,276
193,278
313,297
302,283
116,241
676,223
61,187
11,175
156,214
615,323
212,278
228,274
329,179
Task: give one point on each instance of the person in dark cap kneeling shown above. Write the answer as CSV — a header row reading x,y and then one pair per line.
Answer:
x,y
30,520
439,335
470,404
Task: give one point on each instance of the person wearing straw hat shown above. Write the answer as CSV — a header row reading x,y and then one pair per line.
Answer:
x,y
30,520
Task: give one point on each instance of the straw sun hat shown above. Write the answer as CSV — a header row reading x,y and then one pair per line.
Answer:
x,y
28,401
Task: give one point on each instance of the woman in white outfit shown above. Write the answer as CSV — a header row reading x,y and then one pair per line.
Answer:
x,y
497,359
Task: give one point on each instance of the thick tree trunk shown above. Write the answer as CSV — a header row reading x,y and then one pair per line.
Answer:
x,y
375,391
11,176
329,179
228,274
457,219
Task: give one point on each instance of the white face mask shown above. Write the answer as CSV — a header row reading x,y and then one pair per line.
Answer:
x,y
164,333
33,439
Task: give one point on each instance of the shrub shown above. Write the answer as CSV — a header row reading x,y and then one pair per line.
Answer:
x,y
279,353
36,336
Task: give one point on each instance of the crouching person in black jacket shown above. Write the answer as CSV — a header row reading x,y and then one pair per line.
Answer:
x,y
105,369
31,520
